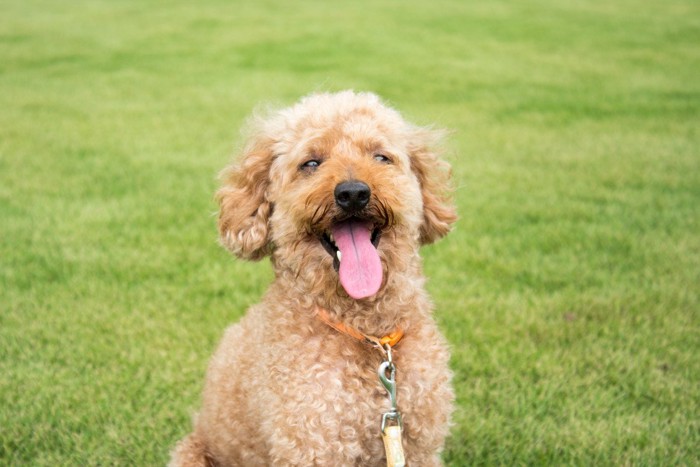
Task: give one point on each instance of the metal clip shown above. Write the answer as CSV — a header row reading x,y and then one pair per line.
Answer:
x,y
391,434
389,384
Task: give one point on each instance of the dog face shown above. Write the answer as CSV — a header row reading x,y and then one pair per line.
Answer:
x,y
338,188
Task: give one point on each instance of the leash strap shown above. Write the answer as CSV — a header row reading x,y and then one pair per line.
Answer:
x,y
392,425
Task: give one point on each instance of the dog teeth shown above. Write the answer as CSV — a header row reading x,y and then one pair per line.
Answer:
x,y
338,254
330,236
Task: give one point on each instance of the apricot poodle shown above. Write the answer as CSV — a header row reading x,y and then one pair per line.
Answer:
x,y
340,192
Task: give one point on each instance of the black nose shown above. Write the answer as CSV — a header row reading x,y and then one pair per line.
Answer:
x,y
352,196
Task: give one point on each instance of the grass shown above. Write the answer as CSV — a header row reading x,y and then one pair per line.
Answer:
x,y
568,290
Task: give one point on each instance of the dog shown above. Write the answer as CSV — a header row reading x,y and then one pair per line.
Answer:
x,y
340,192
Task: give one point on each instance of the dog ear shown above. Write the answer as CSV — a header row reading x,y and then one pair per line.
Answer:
x,y
434,177
243,201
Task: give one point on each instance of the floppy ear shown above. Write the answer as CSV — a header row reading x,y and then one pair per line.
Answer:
x,y
434,177
244,206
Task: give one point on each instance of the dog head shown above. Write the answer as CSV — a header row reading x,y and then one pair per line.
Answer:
x,y
336,188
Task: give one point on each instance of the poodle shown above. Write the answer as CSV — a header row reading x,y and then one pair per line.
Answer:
x,y
341,363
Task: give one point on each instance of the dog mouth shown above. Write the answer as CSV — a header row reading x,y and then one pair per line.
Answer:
x,y
353,243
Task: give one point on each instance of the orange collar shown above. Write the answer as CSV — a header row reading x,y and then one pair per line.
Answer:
x,y
390,339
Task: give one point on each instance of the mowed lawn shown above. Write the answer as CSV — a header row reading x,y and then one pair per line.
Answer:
x,y
568,289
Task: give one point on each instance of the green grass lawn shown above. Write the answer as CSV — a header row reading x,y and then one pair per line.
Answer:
x,y
569,289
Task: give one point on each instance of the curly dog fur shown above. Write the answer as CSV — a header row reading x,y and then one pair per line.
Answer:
x,y
284,388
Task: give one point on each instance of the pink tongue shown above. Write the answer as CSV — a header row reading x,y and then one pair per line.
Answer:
x,y
360,268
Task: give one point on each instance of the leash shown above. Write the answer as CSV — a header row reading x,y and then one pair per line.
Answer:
x,y
391,433
392,424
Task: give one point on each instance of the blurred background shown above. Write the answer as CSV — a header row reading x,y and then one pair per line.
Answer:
x,y
568,289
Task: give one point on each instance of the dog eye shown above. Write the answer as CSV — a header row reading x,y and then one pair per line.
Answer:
x,y
310,165
382,158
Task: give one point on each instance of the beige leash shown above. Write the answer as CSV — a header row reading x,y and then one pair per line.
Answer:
x,y
392,425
